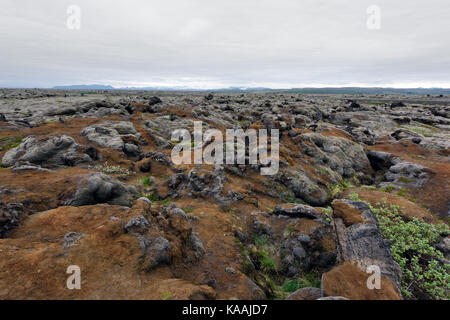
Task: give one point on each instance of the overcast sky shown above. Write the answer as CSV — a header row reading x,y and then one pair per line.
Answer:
x,y
213,44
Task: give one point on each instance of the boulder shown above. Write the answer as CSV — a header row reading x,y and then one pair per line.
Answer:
x,y
110,134
97,187
47,152
405,134
295,210
160,157
397,104
260,226
303,187
398,171
196,244
206,184
381,160
154,100
339,154
354,106
407,172
131,150
312,112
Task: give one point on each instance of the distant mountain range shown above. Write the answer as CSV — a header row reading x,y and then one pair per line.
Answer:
x,y
85,87
342,90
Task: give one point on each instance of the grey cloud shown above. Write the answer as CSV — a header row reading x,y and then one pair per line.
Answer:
x,y
210,43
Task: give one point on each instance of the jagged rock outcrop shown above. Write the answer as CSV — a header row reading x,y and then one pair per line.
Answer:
x,y
10,215
163,235
342,156
156,251
304,252
358,239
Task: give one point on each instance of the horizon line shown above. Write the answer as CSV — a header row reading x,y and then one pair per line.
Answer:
x,y
243,88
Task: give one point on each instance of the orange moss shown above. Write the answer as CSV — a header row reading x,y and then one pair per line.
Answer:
x,y
347,213
347,280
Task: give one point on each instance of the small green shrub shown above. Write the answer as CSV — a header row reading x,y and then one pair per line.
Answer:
x,y
354,196
323,171
260,240
308,280
328,212
265,254
146,181
337,188
152,196
166,201
268,264
289,229
405,180
166,295
388,189
290,285
412,245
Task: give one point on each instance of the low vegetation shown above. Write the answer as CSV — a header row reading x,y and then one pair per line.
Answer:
x,y
338,188
154,197
108,169
412,245
146,181
10,142
420,130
